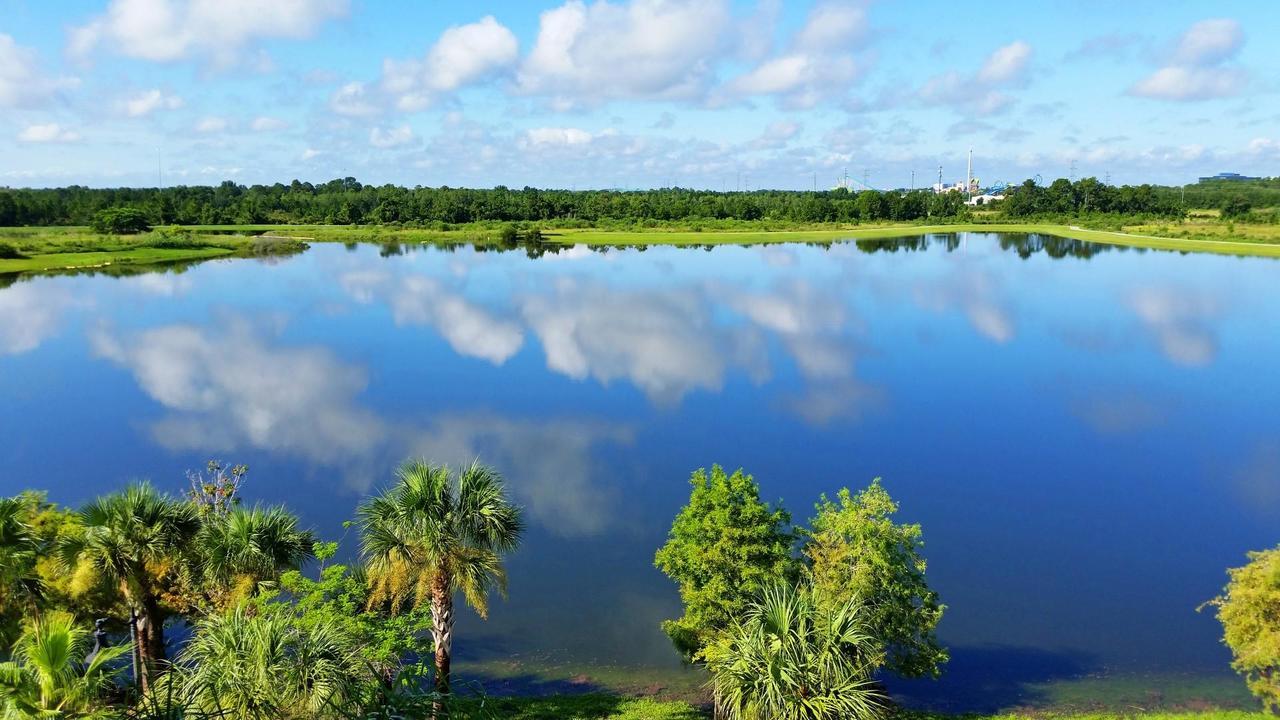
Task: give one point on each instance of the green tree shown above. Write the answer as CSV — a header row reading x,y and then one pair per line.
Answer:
x,y
725,547
243,548
434,533
21,588
339,595
138,539
856,550
120,221
1236,207
1249,610
267,666
793,658
51,677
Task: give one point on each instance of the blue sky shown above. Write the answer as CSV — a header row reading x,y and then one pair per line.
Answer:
x,y
634,93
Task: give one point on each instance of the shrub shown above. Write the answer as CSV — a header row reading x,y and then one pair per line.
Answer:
x,y
1249,610
9,252
1236,207
120,221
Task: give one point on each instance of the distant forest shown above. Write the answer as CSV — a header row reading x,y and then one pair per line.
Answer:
x,y
348,202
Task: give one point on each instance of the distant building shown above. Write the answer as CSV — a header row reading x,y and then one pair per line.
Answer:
x,y
983,199
1235,177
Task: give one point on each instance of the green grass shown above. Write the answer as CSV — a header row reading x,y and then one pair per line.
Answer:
x,y
65,248
70,248
599,706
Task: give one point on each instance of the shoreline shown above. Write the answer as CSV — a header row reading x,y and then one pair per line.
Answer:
x,y
140,255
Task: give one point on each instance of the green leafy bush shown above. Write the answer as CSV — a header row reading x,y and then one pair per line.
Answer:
x,y
9,252
120,221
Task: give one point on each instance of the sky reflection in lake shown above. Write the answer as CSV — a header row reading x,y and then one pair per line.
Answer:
x,y
1089,443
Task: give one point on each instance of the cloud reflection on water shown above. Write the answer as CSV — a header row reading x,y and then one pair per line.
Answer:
x,y
236,389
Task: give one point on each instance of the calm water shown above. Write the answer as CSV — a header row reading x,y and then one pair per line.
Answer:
x,y
1088,442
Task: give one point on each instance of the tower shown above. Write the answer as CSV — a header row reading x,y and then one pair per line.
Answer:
x,y
968,176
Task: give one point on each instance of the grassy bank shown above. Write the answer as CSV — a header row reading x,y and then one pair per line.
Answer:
x,y
70,248
610,707
46,249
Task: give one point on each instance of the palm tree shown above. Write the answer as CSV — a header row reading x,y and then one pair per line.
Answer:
x,y
266,666
50,676
20,585
244,548
435,533
790,658
136,538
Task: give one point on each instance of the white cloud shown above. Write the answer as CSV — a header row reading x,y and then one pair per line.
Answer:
x,y
1006,64
211,124
267,124
391,137
641,49
148,101
353,100
982,93
48,133
818,63
1197,68
169,30
555,137
1191,83
21,81
1209,42
311,154
464,54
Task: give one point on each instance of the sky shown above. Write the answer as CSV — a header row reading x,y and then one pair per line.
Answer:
x,y
716,94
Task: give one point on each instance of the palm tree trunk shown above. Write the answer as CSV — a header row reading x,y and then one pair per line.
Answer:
x,y
442,627
150,641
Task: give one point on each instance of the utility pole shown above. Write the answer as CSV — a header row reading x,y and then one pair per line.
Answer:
x,y
913,180
815,182
1073,170
940,187
866,174
160,184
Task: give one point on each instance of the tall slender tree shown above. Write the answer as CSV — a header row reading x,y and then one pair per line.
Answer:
x,y
138,537
435,533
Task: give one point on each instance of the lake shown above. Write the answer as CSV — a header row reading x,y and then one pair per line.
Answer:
x,y
1088,435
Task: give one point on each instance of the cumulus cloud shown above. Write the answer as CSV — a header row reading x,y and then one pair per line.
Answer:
x,y
392,137
267,124
353,99
1198,67
48,133
22,84
149,101
555,137
222,30
211,124
464,54
983,92
641,49
818,62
